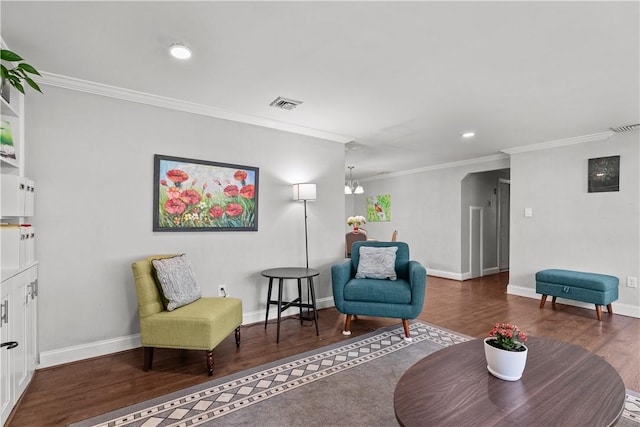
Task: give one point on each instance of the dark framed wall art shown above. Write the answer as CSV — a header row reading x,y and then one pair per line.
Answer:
x,y
200,195
604,174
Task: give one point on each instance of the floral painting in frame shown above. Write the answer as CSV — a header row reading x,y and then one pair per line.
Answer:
x,y
200,195
379,208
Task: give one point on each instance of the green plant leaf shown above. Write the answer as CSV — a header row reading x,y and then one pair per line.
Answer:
x,y
7,55
4,73
33,84
18,86
28,68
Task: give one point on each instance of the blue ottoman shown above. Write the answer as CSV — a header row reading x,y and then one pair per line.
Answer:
x,y
598,289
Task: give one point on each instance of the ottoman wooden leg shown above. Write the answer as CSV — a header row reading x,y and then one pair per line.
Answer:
x,y
609,308
543,300
553,300
599,311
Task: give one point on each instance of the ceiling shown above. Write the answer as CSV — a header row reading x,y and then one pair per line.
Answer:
x,y
402,81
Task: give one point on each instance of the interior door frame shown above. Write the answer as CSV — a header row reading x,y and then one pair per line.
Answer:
x,y
480,210
499,221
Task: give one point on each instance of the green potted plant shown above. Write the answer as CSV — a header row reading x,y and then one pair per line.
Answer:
x,y
16,75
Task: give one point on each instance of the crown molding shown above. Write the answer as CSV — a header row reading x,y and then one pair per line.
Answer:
x,y
559,143
467,162
94,88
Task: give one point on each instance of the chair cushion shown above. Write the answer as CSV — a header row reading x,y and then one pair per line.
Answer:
x,y
377,263
201,325
177,280
379,291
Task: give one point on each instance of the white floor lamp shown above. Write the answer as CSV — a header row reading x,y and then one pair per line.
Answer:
x,y
302,193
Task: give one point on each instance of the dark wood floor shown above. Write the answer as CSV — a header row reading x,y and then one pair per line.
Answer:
x,y
69,393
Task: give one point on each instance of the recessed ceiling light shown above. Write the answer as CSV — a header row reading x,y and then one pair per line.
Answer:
x,y
468,134
180,51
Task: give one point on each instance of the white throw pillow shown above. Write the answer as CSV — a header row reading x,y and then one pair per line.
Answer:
x,y
377,263
178,281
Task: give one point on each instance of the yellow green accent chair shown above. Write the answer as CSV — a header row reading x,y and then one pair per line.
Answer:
x,y
200,325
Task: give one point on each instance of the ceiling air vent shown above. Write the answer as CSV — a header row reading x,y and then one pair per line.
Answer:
x,y
284,103
626,128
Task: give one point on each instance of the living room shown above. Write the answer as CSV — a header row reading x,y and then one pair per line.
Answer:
x,y
90,147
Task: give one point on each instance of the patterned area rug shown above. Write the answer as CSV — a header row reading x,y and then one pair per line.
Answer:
x,y
349,383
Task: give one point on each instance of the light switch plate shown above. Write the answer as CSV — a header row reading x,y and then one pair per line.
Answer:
x,y
528,212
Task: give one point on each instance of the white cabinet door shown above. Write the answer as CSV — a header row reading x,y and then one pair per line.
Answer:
x,y
33,356
6,398
18,322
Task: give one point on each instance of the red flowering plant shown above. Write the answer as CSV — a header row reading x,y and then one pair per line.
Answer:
x,y
508,337
229,202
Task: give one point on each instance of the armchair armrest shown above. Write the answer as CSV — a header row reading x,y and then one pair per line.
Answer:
x,y
418,282
340,275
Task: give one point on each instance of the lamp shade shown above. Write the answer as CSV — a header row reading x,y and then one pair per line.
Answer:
x,y
304,191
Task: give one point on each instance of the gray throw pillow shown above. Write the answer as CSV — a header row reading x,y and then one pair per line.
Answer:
x,y
377,263
178,281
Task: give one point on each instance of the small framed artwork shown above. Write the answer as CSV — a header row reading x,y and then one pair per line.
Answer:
x,y
379,208
604,174
200,195
6,141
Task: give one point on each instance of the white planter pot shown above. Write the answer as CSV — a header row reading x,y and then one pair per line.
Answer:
x,y
503,364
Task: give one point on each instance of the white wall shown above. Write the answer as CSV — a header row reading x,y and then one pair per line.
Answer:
x,y
571,228
426,211
92,160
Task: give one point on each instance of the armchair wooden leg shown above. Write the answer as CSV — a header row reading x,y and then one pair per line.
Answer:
x,y
148,359
407,333
210,362
347,325
238,337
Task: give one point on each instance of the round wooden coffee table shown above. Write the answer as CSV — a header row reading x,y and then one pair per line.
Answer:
x,y
562,385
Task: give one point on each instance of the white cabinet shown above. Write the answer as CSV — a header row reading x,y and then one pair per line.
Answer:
x,y
18,354
18,268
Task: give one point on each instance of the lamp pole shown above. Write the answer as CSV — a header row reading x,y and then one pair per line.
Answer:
x,y
306,240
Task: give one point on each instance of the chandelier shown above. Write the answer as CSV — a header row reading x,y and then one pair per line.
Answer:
x,y
351,186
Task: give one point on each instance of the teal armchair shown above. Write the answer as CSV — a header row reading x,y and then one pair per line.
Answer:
x,y
199,325
402,298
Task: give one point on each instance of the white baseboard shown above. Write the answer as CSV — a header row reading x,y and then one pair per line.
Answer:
x,y
490,271
461,276
87,351
114,345
618,308
445,274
